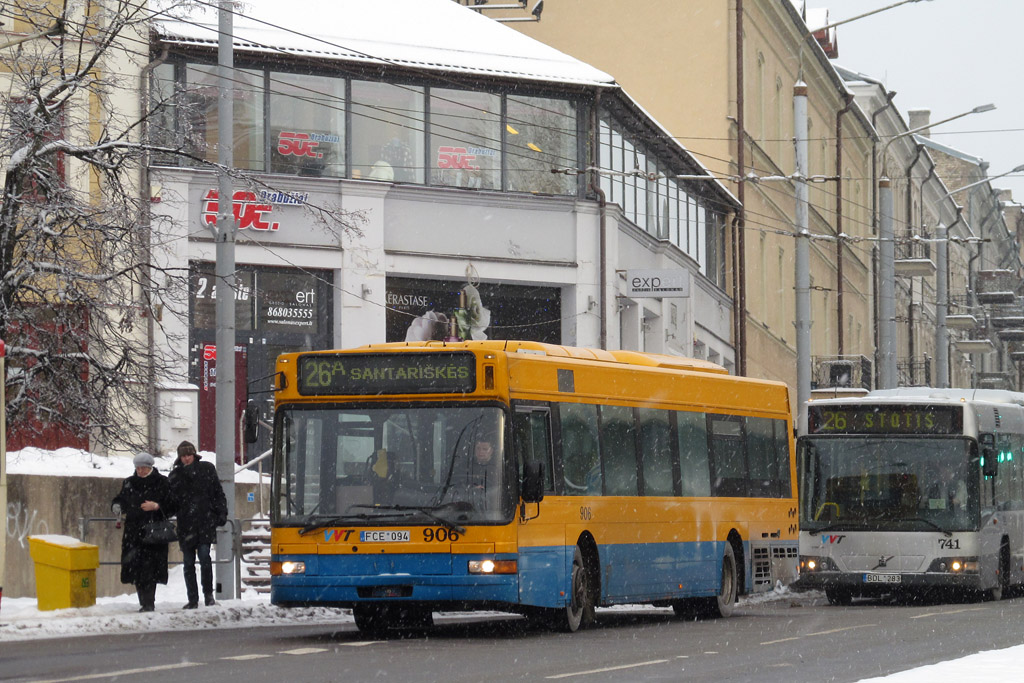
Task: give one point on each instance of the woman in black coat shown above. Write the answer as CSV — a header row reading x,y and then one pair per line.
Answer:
x,y
145,497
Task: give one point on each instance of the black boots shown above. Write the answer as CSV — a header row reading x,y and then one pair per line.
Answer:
x,y
210,602
147,597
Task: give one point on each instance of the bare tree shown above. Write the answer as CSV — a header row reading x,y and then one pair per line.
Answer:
x,y
79,286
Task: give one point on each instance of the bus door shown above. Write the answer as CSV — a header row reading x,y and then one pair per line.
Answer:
x,y
541,537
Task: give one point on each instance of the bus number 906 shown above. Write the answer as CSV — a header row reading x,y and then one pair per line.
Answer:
x,y
441,535
585,514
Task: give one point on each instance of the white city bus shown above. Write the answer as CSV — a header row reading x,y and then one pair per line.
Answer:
x,y
910,490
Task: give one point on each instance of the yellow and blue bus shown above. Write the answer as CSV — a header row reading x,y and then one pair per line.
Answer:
x,y
527,477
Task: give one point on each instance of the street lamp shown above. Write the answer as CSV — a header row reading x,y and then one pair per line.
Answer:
x,y
887,259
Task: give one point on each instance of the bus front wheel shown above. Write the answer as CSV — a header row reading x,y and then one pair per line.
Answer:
x,y
371,619
580,610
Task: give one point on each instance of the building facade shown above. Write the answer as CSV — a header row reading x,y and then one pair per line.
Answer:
x,y
467,205
730,99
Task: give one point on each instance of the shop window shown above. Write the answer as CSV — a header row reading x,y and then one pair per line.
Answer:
x,y
387,132
540,135
465,139
307,125
162,124
200,114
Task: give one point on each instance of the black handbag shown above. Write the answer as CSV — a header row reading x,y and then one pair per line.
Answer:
x,y
160,532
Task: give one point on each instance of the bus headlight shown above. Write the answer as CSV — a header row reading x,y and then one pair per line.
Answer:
x,y
955,565
810,564
493,567
288,567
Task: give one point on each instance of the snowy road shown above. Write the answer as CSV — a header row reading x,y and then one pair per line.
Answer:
x,y
784,637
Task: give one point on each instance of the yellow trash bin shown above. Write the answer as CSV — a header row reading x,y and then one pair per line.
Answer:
x,y
65,571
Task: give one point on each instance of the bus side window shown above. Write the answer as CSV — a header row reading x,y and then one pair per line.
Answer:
x,y
618,451
694,467
656,452
785,486
581,464
532,433
728,457
760,436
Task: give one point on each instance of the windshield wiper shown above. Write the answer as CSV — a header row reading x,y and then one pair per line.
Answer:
x,y
930,523
426,510
327,521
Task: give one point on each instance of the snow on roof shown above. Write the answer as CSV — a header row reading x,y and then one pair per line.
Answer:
x,y
436,35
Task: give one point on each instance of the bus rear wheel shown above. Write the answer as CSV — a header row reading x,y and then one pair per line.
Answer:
x,y
723,604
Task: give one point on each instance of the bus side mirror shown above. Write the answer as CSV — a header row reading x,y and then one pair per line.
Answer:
x,y
251,425
533,482
990,466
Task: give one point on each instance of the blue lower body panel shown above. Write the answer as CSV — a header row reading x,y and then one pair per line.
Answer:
x,y
629,573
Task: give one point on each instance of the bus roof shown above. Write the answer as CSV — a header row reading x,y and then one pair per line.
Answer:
x,y
555,350
931,395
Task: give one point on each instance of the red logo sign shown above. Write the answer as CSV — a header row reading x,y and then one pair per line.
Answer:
x,y
249,210
209,352
455,157
297,145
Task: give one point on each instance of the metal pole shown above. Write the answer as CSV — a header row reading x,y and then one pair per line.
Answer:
x,y
803,258
941,308
225,282
3,465
886,287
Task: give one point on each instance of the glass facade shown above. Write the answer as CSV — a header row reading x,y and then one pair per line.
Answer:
x,y
646,189
314,125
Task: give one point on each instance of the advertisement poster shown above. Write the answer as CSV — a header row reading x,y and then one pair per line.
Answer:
x,y
420,310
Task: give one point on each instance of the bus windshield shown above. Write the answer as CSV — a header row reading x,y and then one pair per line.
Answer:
x,y
887,484
373,465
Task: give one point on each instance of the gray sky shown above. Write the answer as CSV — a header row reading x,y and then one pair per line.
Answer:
x,y
948,56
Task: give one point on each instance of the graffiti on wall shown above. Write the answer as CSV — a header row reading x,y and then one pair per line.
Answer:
x,y
22,523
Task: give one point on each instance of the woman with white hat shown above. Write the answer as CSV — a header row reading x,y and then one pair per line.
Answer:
x,y
145,497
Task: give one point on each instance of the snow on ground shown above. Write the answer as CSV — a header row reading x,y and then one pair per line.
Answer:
x,y
21,620
65,462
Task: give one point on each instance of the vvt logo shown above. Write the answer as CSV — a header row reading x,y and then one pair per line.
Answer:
x,y
832,539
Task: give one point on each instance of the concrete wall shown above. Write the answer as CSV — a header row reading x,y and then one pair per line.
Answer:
x,y
56,505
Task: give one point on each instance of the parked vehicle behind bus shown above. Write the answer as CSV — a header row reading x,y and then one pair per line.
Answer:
x,y
913,490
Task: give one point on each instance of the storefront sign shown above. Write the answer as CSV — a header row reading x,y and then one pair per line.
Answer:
x,y
251,209
657,283
297,144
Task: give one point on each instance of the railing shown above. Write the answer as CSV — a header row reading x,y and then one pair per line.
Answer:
x,y
914,372
234,556
841,372
909,248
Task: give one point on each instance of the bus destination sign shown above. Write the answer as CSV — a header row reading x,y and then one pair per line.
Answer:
x,y
386,373
884,419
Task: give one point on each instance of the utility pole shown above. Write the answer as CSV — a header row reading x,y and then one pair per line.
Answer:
x,y
886,287
224,233
941,303
803,259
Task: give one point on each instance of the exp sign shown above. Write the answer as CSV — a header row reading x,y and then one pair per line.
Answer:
x,y
657,283
363,374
